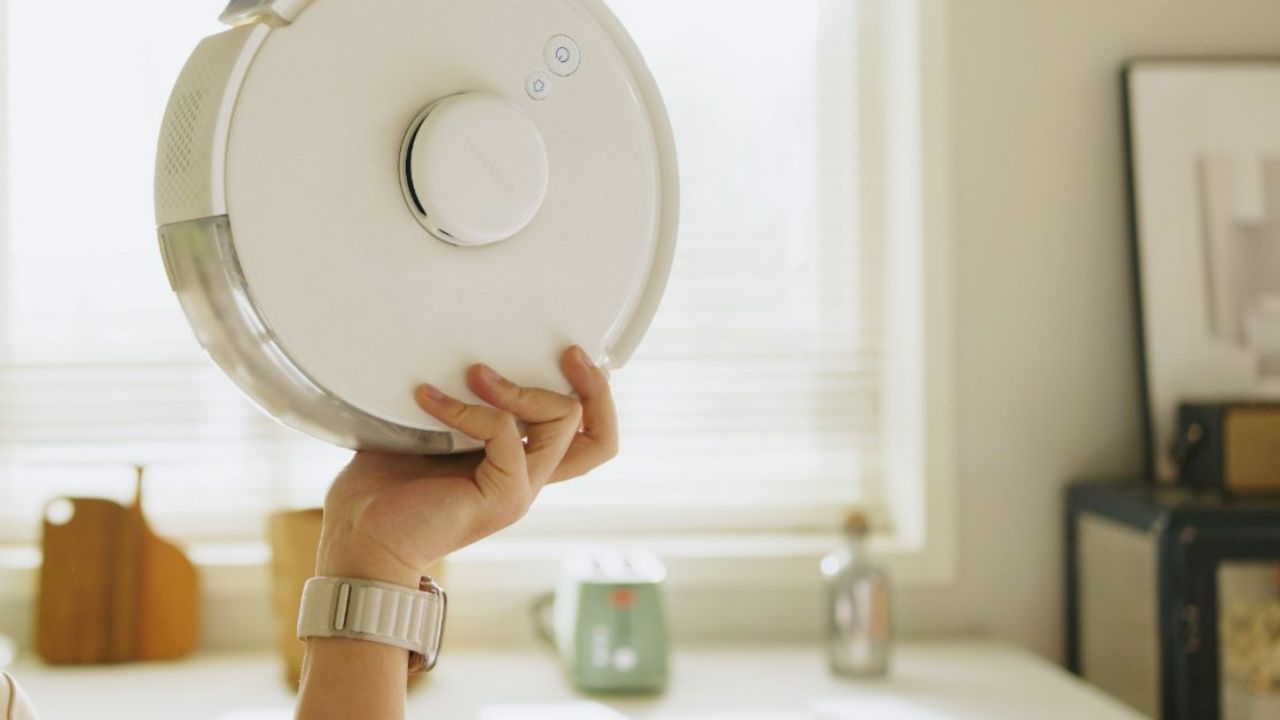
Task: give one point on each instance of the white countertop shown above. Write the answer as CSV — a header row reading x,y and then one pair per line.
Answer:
x,y
931,681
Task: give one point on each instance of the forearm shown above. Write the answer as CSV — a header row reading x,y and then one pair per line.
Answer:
x,y
343,679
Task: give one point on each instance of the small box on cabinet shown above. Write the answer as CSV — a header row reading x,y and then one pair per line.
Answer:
x,y
1231,446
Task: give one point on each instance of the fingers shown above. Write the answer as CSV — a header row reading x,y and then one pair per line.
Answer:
x,y
503,475
568,437
553,419
598,441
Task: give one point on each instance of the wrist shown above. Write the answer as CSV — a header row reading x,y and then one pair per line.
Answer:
x,y
348,557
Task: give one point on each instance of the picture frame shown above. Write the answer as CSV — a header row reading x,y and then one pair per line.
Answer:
x,y
1204,160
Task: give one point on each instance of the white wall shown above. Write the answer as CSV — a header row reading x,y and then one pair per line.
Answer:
x,y
1046,356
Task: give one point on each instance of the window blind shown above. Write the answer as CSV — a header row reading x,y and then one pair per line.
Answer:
x,y
754,402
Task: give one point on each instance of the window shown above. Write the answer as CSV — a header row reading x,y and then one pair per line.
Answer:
x,y
98,370
758,400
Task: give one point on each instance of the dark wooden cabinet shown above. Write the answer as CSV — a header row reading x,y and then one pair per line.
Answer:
x,y
1173,598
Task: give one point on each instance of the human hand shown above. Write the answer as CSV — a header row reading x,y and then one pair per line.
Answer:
x,y
388,517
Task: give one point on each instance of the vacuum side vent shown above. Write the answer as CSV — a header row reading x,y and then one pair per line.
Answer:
x,y
191,156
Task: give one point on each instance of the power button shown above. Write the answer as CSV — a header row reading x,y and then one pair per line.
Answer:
x,y
563,55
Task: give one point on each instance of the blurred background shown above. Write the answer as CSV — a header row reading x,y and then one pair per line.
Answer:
x,y
905,290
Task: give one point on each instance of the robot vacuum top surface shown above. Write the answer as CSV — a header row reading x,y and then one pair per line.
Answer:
x,y
417,185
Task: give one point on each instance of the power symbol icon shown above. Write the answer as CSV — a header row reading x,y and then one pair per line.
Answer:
x,y
562,54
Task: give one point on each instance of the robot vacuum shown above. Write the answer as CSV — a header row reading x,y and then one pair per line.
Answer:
x,y
354,198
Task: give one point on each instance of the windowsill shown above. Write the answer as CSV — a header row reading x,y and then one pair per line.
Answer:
x,y
718,586
528,563
930,681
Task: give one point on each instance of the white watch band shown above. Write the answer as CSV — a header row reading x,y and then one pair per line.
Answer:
x,y
376,611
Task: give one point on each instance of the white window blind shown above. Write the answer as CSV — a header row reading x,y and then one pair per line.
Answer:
x,y
755,402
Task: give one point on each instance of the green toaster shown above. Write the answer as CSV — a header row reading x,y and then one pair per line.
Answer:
x,y
610,623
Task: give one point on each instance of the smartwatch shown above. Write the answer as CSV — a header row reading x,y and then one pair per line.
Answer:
x,y
377,612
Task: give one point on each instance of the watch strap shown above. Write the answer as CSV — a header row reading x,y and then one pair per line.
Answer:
x,y
377,612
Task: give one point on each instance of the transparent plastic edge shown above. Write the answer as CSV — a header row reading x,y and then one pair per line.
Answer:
x,y
204,272
272,12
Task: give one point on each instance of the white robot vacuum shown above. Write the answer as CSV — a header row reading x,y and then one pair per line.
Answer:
x,y
357,197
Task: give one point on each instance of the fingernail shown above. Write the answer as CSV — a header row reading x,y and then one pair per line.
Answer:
x,y
433,392
491,376
583,356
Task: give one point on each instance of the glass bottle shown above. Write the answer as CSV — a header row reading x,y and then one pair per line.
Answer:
x,y
858,630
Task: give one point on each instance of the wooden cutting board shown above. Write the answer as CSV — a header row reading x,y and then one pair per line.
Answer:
x,y
110,589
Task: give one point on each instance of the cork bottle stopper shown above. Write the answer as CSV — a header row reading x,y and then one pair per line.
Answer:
x,y
856,524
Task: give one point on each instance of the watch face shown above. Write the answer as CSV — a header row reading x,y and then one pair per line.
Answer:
x,y
419,663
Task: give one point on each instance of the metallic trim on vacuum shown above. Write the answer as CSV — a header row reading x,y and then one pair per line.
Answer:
x,y
204,271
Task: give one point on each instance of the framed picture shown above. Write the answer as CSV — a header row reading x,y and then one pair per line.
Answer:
x,y
1204,141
